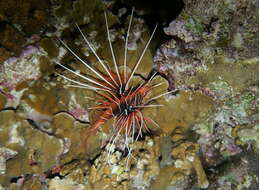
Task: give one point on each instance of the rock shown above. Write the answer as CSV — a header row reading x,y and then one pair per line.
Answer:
x,y
182,111
5,154
186,155
77,143
36,150
2,101
65,184
111,169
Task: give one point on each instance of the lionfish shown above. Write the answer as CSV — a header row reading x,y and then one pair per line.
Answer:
x,y
122,101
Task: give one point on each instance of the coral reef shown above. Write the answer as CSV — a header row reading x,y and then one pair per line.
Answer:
x,y
19,21
205,131
116,171
37,150
211,52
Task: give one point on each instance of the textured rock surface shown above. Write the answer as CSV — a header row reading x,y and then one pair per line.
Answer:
x,y
20,20
213,52
35,151
203,135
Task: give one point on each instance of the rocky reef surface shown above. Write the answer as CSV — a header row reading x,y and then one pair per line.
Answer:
x,y
208,126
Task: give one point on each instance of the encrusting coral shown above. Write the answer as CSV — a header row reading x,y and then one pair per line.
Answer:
x,y
208,123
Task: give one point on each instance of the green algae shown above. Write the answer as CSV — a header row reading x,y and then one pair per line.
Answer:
x,y
239,108
243,104
236,76
238,176
221,88
194,25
